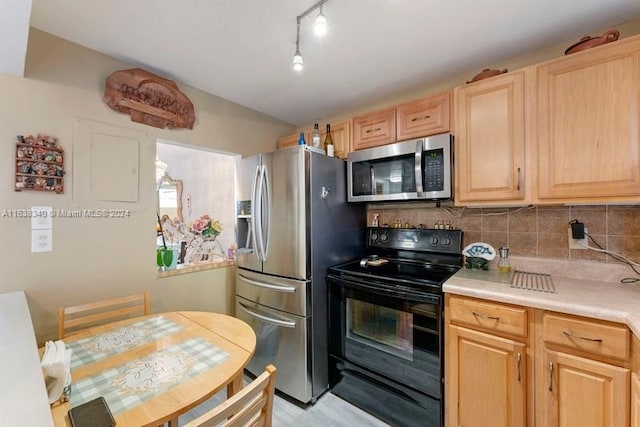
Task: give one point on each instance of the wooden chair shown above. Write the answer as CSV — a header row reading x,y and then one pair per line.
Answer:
x,y
73,319
251,406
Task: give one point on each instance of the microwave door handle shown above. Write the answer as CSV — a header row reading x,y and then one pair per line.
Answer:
x,y
372,177
418,167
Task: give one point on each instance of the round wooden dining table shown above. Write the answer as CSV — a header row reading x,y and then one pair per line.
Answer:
x,y
151,369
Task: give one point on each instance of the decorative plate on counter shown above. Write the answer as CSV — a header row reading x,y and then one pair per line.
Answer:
x,y
479,250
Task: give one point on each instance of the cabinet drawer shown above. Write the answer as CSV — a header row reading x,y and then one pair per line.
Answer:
x,y
489,315
374,129
424,117
606,339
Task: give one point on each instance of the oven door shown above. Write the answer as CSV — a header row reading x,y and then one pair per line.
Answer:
x,y
390,331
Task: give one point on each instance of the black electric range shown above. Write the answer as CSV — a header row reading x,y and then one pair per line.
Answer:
x,y
386,324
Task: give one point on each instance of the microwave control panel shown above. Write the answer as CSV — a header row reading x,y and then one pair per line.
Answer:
x,y
434,170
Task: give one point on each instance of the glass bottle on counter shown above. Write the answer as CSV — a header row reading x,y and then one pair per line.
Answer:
x,y
503,264
328,142
301,140
315,136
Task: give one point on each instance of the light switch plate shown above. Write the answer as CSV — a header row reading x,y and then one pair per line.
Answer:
x,y
577,243
41,240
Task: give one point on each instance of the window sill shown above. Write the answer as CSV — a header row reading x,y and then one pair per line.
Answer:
x,y
193,268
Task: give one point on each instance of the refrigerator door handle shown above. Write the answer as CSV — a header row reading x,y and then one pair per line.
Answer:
x,y
284,323
267,206
279,288
418,167
259,216
255,212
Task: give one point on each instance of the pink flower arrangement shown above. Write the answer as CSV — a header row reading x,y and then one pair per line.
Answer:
x,y
206,226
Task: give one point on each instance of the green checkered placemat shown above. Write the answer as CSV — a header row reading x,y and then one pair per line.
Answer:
x,y
132,383
94,348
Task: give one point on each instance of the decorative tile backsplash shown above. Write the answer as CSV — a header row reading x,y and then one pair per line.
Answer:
x,y
538,231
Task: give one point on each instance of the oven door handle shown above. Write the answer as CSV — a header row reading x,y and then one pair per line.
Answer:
x,y
284,323
383,290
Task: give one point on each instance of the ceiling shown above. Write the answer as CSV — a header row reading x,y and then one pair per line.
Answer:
x,y
242,50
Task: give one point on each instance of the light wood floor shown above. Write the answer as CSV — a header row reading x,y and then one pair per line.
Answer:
x,y
329,411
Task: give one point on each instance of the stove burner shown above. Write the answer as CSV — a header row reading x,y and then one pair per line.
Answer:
x,y
365,261
410,258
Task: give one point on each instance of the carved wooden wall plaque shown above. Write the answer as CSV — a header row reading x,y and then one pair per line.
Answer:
x,y
148,99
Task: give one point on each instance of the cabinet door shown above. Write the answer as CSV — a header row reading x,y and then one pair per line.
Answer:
x,y
635,400
374,129
490,140
583,392
341,134
486,380
289,141
424,117
588,134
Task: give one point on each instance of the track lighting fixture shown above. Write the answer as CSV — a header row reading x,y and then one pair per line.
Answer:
x,y
320,28
298,63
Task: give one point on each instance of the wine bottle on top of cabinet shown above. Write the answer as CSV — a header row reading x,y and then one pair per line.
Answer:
x,y
315,136
328,142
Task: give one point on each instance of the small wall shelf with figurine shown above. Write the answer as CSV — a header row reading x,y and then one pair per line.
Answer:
x,y
39,164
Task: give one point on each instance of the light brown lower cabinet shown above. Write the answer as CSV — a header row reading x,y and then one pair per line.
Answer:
x,y
582,375
487,381
581,392
635,400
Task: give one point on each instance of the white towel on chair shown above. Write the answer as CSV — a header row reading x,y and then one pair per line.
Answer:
x,y
56,366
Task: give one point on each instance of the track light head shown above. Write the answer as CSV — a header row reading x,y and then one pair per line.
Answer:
x,y
320,26
298,62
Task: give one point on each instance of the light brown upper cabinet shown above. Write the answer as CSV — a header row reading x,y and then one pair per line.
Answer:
x,y
289,141
586,120
422,117
341,135
428,116
490,138
374,129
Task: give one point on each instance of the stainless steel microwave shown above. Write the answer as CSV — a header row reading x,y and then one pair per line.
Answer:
x,y
417,169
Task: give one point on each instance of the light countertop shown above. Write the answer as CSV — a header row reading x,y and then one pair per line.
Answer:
x,y
600,299
23,395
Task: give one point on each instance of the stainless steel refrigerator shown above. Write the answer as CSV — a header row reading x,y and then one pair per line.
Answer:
x,y
294,221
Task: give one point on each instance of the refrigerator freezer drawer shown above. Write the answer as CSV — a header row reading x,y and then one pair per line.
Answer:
x,y
282,340
275,292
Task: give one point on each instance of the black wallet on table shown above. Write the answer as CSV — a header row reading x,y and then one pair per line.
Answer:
x,y
94,413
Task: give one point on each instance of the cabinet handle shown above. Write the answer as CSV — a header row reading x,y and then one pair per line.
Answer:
x,y
373,130
519,359
572,335
550,376
518,182
415,119
484,316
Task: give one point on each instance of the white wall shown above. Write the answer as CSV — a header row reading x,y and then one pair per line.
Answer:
x,y
100,259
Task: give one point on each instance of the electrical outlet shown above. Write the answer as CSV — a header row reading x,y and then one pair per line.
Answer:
x,y
577,243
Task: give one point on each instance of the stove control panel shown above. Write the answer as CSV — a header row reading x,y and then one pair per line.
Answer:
x,y
415,239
